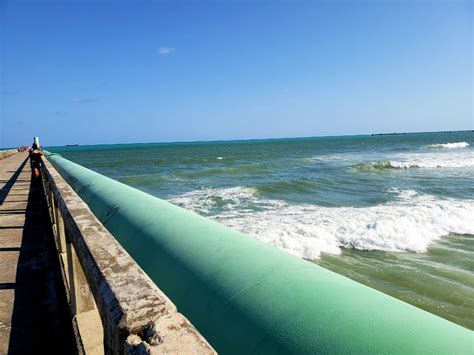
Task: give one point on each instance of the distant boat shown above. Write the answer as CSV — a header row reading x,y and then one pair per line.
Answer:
x,y
72,145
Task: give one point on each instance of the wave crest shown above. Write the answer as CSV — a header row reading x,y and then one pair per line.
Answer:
x,y
381,164
410,223
448,145
463,159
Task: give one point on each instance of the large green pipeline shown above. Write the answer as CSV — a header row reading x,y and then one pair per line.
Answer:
x,y
248,297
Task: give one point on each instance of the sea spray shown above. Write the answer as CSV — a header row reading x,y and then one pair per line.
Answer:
x,y
423,160
410,223
448,145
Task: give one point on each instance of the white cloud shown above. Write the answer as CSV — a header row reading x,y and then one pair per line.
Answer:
x,y
85,100
166,50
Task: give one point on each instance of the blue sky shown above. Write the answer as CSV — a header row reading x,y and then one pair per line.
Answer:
x,y
148,71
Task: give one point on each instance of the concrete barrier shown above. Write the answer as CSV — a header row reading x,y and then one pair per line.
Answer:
x,y
247,297
116,308
6,153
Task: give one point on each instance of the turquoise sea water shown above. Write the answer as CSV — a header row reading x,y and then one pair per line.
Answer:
x,y
393,212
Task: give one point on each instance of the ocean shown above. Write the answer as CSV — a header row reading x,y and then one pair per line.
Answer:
x,y
395,212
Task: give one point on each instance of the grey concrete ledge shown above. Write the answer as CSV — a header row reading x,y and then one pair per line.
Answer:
x,y
137,317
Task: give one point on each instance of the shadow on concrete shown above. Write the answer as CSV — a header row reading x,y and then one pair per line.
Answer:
x,y
40,319
22,181
9,184
9,249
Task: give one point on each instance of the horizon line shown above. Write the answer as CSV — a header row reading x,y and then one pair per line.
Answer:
x,y
263,139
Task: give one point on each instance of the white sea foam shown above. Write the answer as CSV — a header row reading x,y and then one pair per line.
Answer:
x,y
449,145
227,200
458,159
322,158
410,223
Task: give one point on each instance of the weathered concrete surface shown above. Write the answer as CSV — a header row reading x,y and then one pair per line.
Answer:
x,y
137,317
32,307
7,153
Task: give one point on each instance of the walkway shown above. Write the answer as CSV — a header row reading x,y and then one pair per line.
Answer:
x,y
33,311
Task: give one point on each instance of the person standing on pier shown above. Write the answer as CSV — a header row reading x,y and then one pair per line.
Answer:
x,y
35,160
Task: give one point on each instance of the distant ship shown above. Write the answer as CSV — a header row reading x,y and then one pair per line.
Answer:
x,y
72,145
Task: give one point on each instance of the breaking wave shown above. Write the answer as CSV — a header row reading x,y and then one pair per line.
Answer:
x,y
448,145
409,223
427,160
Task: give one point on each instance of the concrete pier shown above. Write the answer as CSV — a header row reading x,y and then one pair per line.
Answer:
x,y
33,308
66,285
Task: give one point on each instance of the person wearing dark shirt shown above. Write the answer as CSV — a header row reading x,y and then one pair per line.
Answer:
x,y
35,160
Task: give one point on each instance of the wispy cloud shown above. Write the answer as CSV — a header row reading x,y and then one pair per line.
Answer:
x,y
85,100
166,50
59,113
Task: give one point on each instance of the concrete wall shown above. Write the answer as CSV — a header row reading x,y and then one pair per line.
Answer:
x,y
116,307
6,153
